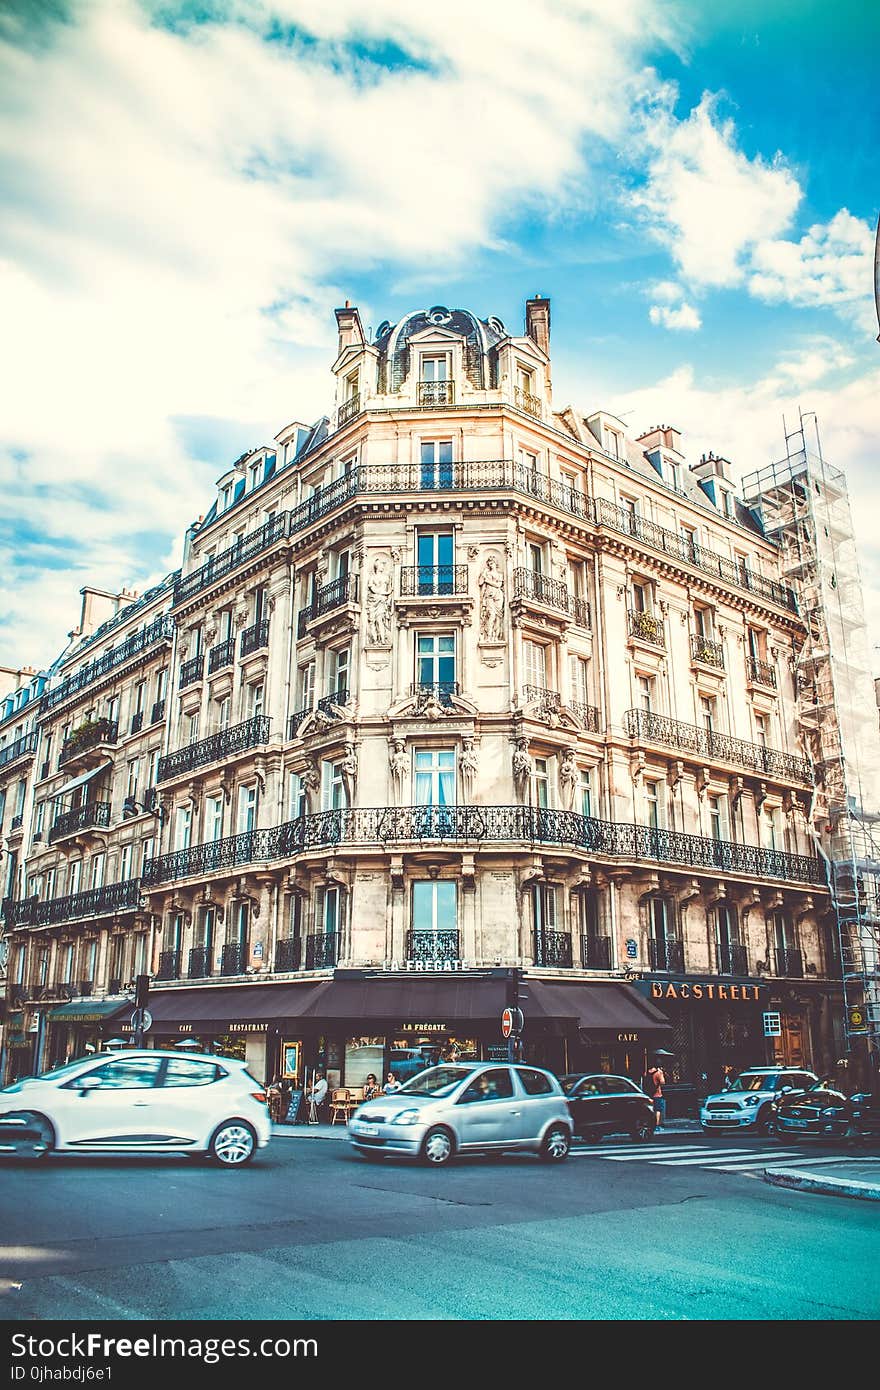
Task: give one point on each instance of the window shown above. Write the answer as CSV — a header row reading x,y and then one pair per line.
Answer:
x,y
535,554
586,792
147,848
674,475
630,508
183,827
214,818
224,712
351,385
654,809
340,564
761,729
74,876
224,625
577,669
541,783
161,684
436,463
50,883
703,623
124,1074
341,660
544,906
134,768
435,368
332,787
435,777
296,797
645,693
113,709
255,695
435,658
689,537
247,808
771,835
193,729
255,471
662,920
489,1085
535,659
307,686
726,503
612,443
642,598
139,966
67,964
718,821
534,1083
89,956
707,712
525,379
125,862
434,905
38,820
96,869
182,1071
140,697
331,915
434,558
757,640
528,470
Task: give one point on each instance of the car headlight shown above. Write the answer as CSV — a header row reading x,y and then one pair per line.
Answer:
x,y
753,1100
407,1117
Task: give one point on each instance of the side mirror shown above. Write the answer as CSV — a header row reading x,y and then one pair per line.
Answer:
x,y
88,1083
783,1090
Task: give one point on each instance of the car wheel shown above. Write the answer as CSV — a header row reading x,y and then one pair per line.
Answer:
x,y
233,1144
555,1145
437,1147
642,1132
27,1135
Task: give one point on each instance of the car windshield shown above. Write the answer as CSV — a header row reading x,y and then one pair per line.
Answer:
x,y
568,1083
753,1081
438,1081
66,1070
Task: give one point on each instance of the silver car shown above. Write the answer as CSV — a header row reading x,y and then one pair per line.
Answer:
x,y
467,1108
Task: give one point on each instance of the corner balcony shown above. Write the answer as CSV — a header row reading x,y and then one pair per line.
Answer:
x,y
436,393
95,815
433,581
327,600
253,733
89,743
709,746
540,589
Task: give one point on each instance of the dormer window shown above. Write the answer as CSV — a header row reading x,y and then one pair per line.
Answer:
x,y
225,497
435,388
726,503
524,391
612,443
256,470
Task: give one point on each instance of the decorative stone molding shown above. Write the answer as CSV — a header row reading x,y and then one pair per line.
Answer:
x,y
637,762
702,781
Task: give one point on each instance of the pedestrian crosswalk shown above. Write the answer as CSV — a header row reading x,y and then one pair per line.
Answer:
x,y
720,1158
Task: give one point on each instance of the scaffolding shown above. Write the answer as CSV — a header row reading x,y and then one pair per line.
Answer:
x,y
804,507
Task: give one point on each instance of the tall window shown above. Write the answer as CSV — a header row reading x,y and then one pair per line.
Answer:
x,y
612,443
125,862
307,686
435,660
434,552
436,463
665,948
134,768
528,470
535,659
730,955
247,808
96,869
255,696
708,713
645,693
332,787
331,915
193,727
771,830
541,783
703,623
434,905
545,903
435,777
183,827
296,799
147,849
586,792
341,670
718,819
67,964
689,536
654,809
642,598
535,553
214,818
74,878
578,668
224,712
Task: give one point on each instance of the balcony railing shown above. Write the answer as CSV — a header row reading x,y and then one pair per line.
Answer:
x,y
110,900
88,737
595,952
321,951
191,671
436,393
255,637
21,747
169,965
527,401
433,948
251,734
15,824
234,958
580,611
587,714
326,599
288,953
245,549
549,702
381,826
789,962
157,713
432,581
761,672
201,960
85,987
220,655
137,722
705,743
646,628
95,815
553,948
161,630
295,720
733,958
707,652
330,703
665,954
17,995
539,588
437,692
348,410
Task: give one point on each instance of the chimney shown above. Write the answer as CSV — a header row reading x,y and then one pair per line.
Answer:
x,y
711,466
538,322
351,333
661,437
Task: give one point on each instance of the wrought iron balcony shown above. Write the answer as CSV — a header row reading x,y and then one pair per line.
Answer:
x,y
435,393
733,958
348,410
234,958
433,948
220,655
553,948
95,815
157,714
707,652
288,953
436,692
382,826
665,954
549,702
433,581
16,824
690,738
595,952
330,703
201,960
587,714
87,737
540,588
191,671
85,987
25,746
580,611
789,962
295,720
527,401
161,630
137,722
761,672
245,549
226,742
326,599
17,995
646,628
321,951
255,637
169,965
110,900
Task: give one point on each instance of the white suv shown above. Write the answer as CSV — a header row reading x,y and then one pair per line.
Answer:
x,y
138,1101
748,1104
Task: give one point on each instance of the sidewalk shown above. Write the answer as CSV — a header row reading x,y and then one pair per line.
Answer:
x,y
840,1177
341,1131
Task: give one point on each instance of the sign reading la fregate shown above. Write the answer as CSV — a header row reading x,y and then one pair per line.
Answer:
x,y
666,990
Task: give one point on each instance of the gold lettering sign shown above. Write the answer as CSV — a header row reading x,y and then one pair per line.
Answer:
x,y
685,989
627,1037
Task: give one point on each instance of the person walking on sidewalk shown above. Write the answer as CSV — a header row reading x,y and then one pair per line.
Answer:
x,y
656,1082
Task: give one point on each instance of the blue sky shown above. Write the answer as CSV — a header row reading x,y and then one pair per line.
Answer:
x,y
191,189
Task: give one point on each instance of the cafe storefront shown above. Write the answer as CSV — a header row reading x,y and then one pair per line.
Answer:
x,y
714,1024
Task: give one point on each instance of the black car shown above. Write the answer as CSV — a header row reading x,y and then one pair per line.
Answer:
x,y
601,1104
827,1114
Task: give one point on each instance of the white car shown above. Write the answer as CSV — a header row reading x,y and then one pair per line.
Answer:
x,y
138,1101
749,1103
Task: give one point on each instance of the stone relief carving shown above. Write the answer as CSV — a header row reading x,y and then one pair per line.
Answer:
x,y
349,766
569,778
522,769
378,602
467,764
492,601
398,761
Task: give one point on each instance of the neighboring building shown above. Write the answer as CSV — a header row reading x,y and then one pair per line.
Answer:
x,y
462,684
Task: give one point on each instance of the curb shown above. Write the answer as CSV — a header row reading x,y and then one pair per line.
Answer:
x,y
832,1187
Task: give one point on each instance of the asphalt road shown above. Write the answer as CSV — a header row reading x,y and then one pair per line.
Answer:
x,y
311,1231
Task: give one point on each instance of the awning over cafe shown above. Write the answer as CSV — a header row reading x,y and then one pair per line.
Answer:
x,y
603,1009
86,1011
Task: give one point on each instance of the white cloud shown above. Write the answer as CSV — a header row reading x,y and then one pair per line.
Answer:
x,y
683,316
831,265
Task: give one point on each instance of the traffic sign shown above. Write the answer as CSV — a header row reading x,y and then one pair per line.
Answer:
x,y
857,1018
511,1022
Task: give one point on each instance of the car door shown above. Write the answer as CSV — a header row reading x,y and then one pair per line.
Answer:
x,y
626,1104
113,1104
540,1102
189,1103
488,1110
590,1106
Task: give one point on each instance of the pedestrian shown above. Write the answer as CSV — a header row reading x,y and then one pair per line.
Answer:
x,y
656,1081
726,1077
317,1094
371,1087
391,1084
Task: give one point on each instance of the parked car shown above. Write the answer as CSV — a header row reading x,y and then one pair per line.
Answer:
x,y
748,1103
602,1104
827,1114
467,1107
138,1101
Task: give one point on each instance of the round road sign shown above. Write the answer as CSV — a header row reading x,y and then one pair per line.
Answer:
x,y
507,1023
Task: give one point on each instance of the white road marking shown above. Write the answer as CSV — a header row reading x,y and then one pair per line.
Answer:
x,y
692,1157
